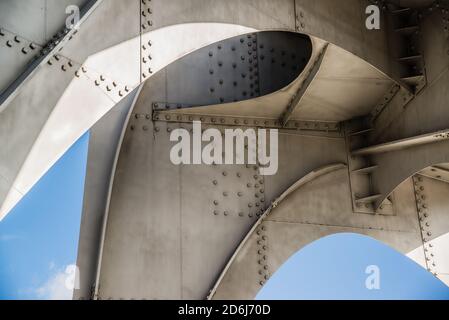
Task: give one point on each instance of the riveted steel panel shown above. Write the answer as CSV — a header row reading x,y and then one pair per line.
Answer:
x,y
237,69
432,201
292,224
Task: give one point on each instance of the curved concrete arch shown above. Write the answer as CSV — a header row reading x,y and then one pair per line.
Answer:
x,y
298,218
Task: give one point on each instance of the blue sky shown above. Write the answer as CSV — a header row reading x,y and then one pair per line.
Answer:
x,y
39,238
335,267
38,241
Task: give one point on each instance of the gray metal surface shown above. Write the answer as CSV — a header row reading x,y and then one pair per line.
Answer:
x,y
104,140
184,224
154,230
301,217
117,55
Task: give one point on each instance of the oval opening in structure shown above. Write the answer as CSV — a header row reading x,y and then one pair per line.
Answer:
x,y
236,69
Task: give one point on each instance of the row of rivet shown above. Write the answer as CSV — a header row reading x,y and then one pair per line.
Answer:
x,y
57,39
308,73
262,258
110,86
146,14
146,53
13,41
242,121
445,18
250,70
424,222
64,63
300,24
386,99
146,58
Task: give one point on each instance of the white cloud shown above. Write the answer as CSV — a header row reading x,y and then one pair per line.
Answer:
x,y
57,287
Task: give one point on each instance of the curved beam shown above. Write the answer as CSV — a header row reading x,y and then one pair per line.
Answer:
x,y
313,175
299,217
397,166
